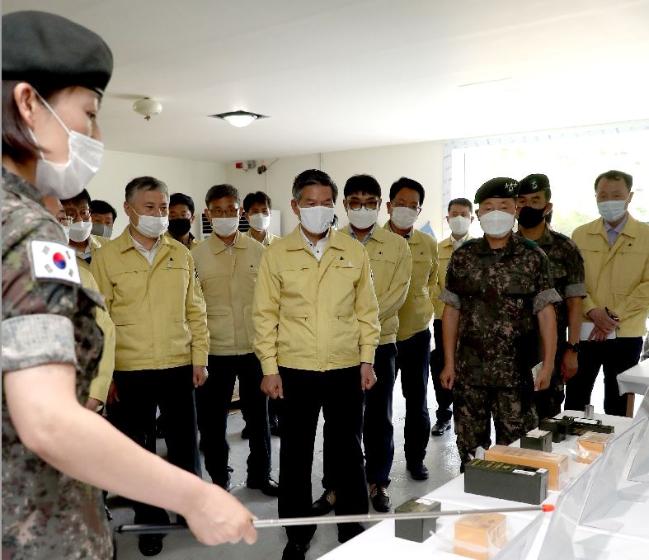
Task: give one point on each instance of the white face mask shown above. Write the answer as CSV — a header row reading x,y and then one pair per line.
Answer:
x,y
403,217
260,222
67,180
79,231
497,223
612,210
225,227
459,225
152,226
363,218
316,219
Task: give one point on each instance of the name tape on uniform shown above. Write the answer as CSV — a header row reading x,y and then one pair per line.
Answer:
x,y
54,261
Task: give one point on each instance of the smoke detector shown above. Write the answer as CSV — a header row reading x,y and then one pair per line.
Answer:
x,y
147,107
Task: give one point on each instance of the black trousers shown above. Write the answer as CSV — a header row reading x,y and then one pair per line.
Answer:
x,y
443,396
213,403
413,356
378,431
172,390
615,356
338,393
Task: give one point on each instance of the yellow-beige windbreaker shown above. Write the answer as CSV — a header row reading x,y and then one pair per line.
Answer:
x,y
312,315
617,277
391,268
158,309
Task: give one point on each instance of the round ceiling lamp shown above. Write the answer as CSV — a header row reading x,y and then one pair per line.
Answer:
x,y
239,119
147,107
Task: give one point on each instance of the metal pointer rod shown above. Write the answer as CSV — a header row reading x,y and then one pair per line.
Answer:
x,y
335,519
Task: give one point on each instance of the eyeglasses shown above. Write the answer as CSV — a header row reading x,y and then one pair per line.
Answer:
x,y
356,205
83,215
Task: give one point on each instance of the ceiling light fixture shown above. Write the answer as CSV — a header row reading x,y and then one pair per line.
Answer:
x,y
239,119
147,107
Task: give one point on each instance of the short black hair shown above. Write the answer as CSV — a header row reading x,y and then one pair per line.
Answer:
x,y
258,197
614,175
145,183
180,198
460,202
83,196
362,184
406,183
102,207
313,177
221,191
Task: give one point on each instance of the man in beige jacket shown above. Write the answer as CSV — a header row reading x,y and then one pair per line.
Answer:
x,y
615,249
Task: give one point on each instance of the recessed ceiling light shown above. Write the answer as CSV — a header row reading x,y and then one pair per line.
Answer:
x,y
239,118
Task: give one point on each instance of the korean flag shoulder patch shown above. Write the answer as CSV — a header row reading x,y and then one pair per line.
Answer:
x,y
54,261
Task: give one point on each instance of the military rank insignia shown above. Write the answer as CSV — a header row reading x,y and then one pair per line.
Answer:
x,y
54,261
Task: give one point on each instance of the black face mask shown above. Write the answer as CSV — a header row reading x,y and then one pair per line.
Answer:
x,y
179,226
530,217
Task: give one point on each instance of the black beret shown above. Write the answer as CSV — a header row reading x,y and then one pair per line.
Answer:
x,y
46,49
499,187
536,182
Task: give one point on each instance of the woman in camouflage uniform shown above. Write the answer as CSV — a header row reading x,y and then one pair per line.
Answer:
x,y
54,450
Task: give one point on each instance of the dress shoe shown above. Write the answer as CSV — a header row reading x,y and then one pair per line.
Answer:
x,y
268,486
294,551
440,427
150,545
324,504
347,531
380,498
418,471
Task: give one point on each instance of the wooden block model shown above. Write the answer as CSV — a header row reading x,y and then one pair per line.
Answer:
x,y
476,536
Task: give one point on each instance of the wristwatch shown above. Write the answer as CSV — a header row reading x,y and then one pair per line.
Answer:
x,y
574,347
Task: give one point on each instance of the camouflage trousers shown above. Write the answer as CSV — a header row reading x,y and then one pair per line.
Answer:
x,y
512,410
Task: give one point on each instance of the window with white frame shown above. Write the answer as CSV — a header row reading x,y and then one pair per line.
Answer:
x,y
572,159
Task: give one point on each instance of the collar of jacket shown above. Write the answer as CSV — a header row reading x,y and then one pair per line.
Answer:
x,y
597,227
295,242
514,244
412,238
377,234
124,241
217,245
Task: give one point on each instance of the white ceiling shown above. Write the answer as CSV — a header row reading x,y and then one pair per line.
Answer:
x,y
343,74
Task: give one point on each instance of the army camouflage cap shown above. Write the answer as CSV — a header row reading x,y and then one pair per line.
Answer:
x,y
536,182
499,187
47,49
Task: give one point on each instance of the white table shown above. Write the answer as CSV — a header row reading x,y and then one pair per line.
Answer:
x,y
634,380
379,541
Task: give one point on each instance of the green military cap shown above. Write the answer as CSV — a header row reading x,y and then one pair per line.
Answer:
x,y
47,49
499,187
536,182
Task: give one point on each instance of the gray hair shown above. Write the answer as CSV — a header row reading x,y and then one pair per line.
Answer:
x,y
144,184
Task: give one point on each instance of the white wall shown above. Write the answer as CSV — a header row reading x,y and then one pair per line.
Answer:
x,y
190,177
422,162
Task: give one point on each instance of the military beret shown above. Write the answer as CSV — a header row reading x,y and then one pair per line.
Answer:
x,y
499,187
47,49
536,182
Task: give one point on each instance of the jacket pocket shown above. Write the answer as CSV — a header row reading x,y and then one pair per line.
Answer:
x,y
220,323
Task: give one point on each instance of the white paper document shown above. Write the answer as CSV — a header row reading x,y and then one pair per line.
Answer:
x,y
587,328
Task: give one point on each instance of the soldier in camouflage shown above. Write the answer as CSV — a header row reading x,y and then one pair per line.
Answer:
x,y
568,277
497,289
53,74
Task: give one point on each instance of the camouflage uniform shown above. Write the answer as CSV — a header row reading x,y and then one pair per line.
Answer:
x,y
45,514
568,277
498,292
